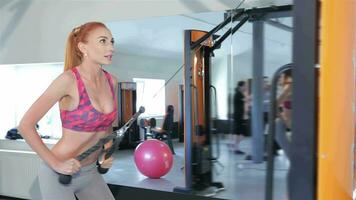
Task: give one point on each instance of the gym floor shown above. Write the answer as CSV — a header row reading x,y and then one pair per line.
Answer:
x,y
242,178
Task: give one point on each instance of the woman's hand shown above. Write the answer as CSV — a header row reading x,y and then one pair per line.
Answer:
x,y
67,167
107,163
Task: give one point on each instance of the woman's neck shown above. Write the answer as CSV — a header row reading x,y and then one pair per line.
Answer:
x,y
90,71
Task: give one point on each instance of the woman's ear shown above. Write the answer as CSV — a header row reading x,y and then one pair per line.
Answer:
x,y
82,48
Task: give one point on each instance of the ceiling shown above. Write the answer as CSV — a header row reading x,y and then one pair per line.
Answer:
x,y
163,36
142,27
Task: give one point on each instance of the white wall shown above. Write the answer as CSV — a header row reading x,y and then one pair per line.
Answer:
x,y
126,67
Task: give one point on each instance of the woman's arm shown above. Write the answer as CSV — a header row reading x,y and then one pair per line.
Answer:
x,y
285,114
108,162
58,89
116,86
285,94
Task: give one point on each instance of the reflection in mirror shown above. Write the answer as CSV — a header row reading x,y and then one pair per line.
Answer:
x,y
223,95
153,49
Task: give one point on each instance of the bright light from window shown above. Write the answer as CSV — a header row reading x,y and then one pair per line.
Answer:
x,y
151,95
21,85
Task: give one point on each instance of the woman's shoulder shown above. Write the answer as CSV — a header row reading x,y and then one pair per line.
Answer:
x,y
67,75
65,78
62,83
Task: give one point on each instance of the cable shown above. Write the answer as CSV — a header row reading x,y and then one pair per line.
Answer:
x,y
166,83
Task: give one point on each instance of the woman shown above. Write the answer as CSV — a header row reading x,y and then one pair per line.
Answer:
x,y
87,102
284,120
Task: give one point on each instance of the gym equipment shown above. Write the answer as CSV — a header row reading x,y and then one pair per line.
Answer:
x,y
166,131
215,157
199,49
127,100
197,120
147,125
116,136
181,113
153,158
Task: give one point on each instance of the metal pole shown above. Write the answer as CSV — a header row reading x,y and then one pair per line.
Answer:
x,y
257,91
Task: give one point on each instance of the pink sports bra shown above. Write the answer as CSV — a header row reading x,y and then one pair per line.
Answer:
x,y
287,104
85,117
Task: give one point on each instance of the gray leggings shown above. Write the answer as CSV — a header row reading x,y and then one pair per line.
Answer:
x,y
281,137
87,184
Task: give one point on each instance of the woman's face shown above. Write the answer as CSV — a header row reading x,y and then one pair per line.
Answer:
x,y
99,47
287,80
284,80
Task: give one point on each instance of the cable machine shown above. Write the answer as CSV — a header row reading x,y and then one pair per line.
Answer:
x,y
199,47
127,100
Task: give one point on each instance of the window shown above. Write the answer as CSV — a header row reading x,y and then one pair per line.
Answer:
x,y
151,95
21,85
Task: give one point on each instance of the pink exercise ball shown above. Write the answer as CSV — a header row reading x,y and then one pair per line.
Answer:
x,y
153,158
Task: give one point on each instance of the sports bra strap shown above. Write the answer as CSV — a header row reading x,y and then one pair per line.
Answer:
x,y
110,80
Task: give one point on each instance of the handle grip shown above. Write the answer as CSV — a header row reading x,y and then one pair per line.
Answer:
x,y
65,179
109,152
102,170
